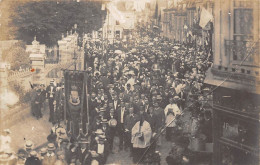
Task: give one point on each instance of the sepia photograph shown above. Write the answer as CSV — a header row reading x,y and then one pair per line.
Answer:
x,y
129,82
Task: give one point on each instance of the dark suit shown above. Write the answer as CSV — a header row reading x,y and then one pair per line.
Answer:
x,y
112,132
183,97
146,108
129,124
127,95
51,96
33,161
116,105
83,157
120,126
152,119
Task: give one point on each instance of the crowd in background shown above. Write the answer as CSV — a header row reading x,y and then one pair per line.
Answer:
x,y
142,95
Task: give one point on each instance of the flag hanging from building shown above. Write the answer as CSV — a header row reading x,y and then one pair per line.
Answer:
x,y
205,17
156,11
116,13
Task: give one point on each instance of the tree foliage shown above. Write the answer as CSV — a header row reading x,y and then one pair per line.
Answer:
x,y
17,56
48,19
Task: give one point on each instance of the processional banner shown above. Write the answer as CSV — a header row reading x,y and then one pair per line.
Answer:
x,y
76,103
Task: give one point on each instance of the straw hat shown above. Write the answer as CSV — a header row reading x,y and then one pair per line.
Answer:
x,y
28,144
51,147
99,131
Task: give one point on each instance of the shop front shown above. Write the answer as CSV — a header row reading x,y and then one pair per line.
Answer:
x,y
235,127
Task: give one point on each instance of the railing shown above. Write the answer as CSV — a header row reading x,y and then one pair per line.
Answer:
x,y
14,76
238,51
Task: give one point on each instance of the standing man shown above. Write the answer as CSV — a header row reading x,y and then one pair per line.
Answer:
x,y
50,158
37,104
112,126
130,121
51,89
121,115
43,96
83,154
116,102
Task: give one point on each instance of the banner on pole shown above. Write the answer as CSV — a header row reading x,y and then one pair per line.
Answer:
x,y
76,107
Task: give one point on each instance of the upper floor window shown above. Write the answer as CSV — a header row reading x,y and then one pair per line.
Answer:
x,y
243,24
243,46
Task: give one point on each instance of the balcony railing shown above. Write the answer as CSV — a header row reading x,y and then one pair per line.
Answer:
x,y
246,51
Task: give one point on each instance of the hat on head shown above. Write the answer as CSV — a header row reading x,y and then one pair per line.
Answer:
x,y
176,97
83,140
102,109
104,121
94,154
99,132
43,150
206,89
33,153
28,144
51,147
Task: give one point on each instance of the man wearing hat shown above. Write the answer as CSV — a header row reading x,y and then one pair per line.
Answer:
x,y
83,154
105,128
33,159
100,146
96,124
28,147
50,156
43,153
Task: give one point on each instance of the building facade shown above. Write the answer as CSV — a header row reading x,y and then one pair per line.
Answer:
x,y
235,78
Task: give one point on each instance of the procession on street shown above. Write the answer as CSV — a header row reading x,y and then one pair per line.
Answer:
x,y
142,82
141,97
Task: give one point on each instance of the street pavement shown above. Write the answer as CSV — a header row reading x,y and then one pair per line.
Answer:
x,y
29,128
123,157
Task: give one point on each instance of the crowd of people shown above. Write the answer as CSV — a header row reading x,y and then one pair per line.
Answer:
x,y
139,94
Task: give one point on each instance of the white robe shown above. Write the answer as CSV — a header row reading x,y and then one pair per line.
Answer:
x,y
147,134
